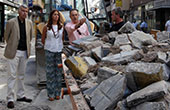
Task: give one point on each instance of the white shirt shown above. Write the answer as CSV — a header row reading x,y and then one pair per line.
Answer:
x,y
168,25
54,43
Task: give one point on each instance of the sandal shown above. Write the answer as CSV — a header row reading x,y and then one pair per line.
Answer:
x,y
51,99
57,97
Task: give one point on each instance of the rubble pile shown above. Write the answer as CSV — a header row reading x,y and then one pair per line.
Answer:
x,y
127,70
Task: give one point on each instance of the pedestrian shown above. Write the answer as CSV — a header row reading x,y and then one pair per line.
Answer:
x,y
18,35
52,38
117,19
144,26
76,29
167,26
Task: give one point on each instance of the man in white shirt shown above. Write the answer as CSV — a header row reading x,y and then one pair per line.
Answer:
x,y
167,26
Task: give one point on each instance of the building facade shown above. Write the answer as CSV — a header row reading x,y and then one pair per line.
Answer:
x,y
151,10
8,10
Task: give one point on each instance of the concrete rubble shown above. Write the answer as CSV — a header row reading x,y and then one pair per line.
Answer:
x,y
127,70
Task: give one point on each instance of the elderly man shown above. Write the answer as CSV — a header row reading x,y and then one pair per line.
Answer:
x,y
18,35
76,29
117,19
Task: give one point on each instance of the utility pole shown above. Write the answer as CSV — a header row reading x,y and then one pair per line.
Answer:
x,y
75,4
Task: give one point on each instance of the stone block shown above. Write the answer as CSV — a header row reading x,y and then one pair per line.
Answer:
x,y
77,65
151,106
104,73
154,91
138,38
108,92
145,73
120,58
122,39
90,61
127,28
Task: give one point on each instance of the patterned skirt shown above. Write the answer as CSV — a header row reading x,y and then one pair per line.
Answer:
x,y
53,73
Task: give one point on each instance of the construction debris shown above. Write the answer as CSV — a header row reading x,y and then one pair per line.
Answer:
x,y
127,70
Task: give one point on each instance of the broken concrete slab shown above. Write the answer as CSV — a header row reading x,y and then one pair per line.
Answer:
x,y
131,84
120,58
97,53
108,93
151,92
166,72
77,65
162,57
138,37
89,61
88,45
122,39
87,38
87,85
105,73
127,28
151,106
150,57
145,73
126,48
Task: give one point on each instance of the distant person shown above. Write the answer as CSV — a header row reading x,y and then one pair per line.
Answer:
x,y
167,26
117,19
135,24
52,38
76,29
144,26
18,35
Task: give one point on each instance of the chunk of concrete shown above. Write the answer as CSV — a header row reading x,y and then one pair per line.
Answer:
x,y
151,92
151,106
108,93
138,37
127,28
122,39
120,58
77,65
126,47
90,61
97,53
145,73
105,73
87,38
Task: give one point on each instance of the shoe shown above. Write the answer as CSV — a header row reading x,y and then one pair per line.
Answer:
x,y
51,99
57,97
10,104
24,99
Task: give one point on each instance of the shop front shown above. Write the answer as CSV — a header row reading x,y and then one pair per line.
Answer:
x,y
8,10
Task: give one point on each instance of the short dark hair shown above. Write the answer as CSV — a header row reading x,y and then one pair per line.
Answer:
x,y
73,10
23,5
118,11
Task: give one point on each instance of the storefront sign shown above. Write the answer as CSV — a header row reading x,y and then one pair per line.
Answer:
x,y
30,4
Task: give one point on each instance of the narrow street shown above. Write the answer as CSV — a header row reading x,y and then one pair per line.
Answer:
x,y
39,95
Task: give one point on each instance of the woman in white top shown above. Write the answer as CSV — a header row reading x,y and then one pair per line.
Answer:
x,y
52,38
